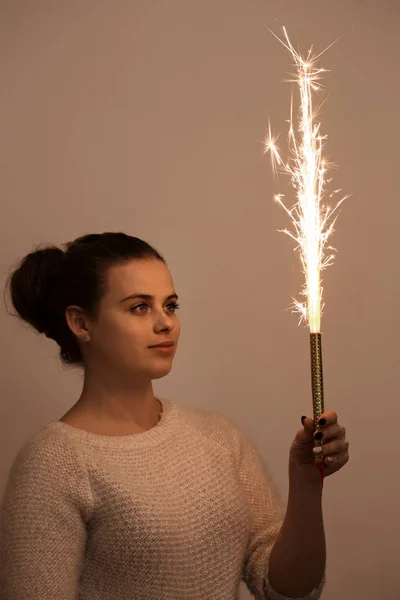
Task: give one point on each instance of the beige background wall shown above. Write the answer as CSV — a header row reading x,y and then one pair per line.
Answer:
x,y
149,117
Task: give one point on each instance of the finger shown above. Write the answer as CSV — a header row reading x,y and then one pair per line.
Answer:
x,y
335,448
308,426
305,434
329,417
337,461
330,432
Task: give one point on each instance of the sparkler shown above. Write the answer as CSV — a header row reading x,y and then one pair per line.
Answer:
x,y
312,219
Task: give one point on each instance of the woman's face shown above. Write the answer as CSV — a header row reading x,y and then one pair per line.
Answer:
x,y
137,312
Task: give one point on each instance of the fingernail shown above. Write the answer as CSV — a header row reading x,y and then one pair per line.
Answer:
x,y
319,435
329,459
322,422
318,450
303,419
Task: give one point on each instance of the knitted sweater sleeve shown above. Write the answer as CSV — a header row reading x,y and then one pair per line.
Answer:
x,y
42,523
267,515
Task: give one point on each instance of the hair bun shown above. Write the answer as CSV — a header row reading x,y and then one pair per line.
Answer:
x,y
32,284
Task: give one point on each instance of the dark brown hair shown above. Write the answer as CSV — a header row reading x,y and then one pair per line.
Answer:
x,y
49,279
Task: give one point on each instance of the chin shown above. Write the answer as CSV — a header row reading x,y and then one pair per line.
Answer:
x,y
162,371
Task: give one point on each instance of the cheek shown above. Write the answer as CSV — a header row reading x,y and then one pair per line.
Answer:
x,y
124,331
129,344
177,329
136,333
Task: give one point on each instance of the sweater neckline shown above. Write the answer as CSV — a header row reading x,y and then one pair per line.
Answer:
x,y
155,434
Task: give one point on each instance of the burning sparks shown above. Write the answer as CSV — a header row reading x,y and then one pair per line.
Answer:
x,y
313,221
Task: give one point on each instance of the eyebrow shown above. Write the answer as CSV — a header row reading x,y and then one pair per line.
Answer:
x,y
147,297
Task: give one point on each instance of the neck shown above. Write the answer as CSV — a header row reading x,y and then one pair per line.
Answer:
x,y
110,399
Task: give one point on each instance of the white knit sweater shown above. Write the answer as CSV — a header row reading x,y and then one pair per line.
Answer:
x,y
183,511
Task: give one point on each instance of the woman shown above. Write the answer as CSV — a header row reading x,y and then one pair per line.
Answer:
x,y
130,497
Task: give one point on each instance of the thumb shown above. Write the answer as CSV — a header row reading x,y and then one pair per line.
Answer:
x,y
308,425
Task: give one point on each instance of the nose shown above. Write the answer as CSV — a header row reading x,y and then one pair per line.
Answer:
x,y
163,322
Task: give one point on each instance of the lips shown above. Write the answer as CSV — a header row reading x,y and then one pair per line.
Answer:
x,y
163,345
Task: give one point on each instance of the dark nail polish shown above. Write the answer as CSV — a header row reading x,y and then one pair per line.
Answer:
x,y
322,422
319,435
303,419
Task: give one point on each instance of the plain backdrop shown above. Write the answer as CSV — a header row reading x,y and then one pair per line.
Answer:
x,y
149,117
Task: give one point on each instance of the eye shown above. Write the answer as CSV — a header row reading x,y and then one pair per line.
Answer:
x,y
143,308
173,306
139,308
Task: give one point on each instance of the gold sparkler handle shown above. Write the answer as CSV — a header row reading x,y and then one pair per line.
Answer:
x,y
317,382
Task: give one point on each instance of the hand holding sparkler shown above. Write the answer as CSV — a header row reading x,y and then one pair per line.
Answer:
x,y
334,448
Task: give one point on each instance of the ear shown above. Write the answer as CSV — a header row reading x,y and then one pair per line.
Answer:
x,y
77,321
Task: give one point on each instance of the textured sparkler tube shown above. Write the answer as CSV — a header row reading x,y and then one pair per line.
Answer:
x,y
317,385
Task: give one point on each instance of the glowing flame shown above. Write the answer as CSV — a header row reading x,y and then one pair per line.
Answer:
x,y
312,220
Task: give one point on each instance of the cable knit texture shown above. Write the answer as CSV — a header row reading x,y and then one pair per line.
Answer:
x,y
183,511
